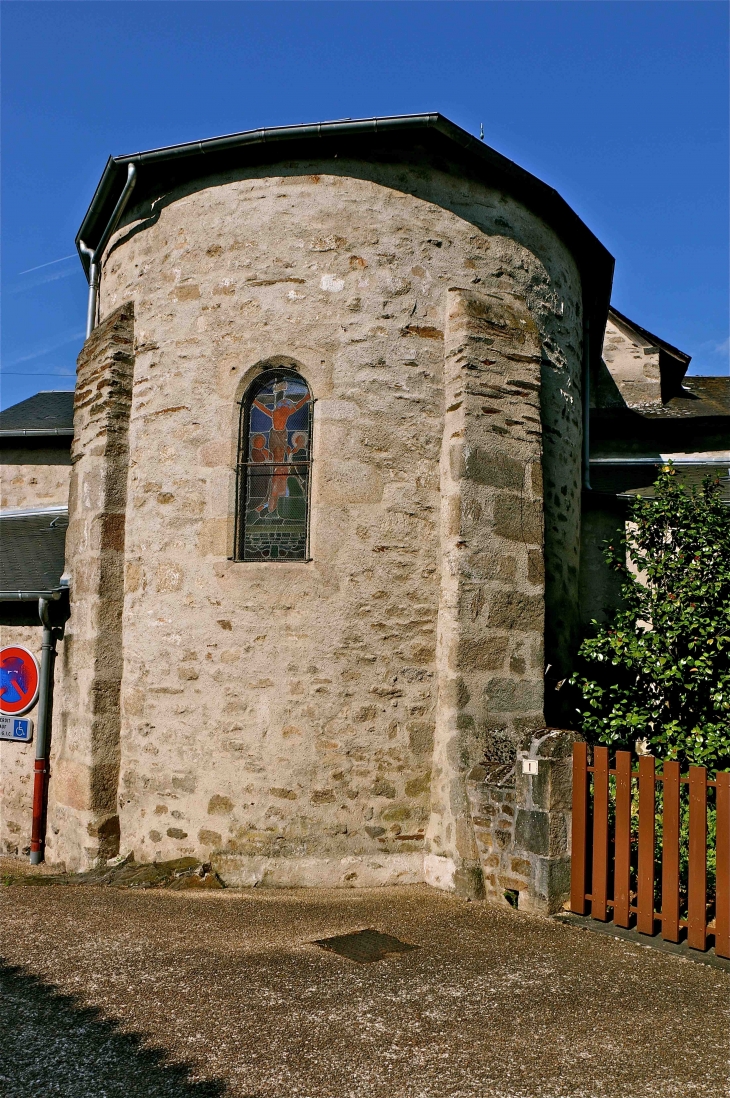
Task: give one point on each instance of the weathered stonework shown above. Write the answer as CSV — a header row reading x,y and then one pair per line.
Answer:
x,y
85,759
491,616
522,824
315,722
34,477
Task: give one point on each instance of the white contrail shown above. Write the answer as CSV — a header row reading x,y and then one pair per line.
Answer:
x,y
46,348
49,264
42,280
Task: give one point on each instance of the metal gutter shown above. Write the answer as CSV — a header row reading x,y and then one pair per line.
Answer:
x,y
32,512
37,432
31,596
95,254
718,459
586,404
246,138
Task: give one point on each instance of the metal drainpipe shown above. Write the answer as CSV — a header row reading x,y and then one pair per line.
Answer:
x,y
587,404
96,253
45,709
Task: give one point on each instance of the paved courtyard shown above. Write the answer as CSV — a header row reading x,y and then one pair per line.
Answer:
x,y
110,993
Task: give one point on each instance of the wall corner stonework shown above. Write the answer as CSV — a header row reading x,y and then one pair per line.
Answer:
x,y
523,824
491,611
83,817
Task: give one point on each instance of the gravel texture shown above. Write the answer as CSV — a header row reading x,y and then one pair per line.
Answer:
x,y
193,993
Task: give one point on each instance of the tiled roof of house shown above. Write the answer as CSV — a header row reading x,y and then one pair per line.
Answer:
x,y
45,413
32,548
699,398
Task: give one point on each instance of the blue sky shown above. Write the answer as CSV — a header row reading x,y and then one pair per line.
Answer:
x,y
622,106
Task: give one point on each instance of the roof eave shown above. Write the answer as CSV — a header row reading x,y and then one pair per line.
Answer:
x,y
662,344
551,206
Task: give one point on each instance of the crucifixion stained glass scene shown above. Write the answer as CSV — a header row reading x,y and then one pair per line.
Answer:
x,y
275,464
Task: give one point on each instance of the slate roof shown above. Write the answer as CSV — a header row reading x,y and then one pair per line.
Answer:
x,y
46,413
32,549
702,396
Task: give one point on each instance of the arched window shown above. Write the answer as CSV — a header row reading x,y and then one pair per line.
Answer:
x,y
274,461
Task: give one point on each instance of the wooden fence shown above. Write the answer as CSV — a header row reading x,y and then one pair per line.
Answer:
x,y
629,841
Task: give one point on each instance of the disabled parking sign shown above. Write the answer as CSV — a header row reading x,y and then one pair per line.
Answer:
x,y
19,729
19,681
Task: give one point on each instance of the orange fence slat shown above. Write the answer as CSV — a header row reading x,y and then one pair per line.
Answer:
x,y
599,876
697,883
622,856
579,839
670,853
722,904
645,876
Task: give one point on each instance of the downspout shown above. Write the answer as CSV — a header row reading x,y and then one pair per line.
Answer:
x,y
586,404
96,253
45,709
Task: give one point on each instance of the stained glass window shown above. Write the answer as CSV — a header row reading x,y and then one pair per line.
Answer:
x,y
274,461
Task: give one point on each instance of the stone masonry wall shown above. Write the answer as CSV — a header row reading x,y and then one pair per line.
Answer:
x,y
491,618
280,718
84,824
522,824
34,477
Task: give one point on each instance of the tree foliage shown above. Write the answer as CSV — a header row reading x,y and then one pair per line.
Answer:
x,y
660,669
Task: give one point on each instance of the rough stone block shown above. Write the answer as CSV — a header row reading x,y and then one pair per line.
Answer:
x,y
513,696
494,468
469,882
535,567
552,883
513,610
532,832
552,786
518,519
559,833
482,653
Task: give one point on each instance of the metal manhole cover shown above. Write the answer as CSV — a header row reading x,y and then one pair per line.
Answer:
x,y
365,945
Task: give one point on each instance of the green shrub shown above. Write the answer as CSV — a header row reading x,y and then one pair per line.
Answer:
x,y
660,669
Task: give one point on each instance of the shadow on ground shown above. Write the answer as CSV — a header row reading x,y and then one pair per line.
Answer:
x,y
52,1046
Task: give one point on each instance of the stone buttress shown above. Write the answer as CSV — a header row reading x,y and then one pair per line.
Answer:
x,y
85,756
491,614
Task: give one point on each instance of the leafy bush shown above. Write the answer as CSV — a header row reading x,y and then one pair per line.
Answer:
x,y
660,670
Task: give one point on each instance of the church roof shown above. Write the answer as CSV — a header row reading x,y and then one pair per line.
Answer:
x,y
160,170
45,413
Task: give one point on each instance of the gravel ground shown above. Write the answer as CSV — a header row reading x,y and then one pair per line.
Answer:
x,y
110,993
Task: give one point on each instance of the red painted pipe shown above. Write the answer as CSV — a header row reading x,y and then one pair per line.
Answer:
x,y
43,733
39,802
